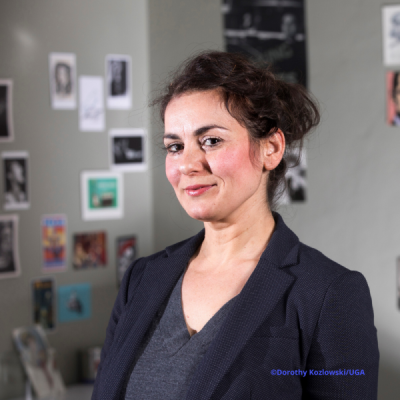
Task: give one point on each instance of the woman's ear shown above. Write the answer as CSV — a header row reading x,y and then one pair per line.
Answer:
x,y
274,147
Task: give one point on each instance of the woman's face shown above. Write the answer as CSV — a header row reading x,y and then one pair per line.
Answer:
x,y
209,159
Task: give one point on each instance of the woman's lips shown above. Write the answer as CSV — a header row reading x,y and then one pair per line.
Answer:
x,y
197,190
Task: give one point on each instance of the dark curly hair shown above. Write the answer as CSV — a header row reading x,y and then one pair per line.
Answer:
x,y
254,96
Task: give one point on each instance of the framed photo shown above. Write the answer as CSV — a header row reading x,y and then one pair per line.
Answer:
x,y
295,177
54,242
39,361
91,104
74,302
119,90
62,71
43,296
127,150
126,254
90,250
102,195
16,180
6,115
9,254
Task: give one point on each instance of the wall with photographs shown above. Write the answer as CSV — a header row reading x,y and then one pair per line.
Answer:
x,y
59,145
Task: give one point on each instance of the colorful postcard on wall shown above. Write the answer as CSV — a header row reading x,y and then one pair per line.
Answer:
x,y
391,34
9,252
74,302
393,98
101,195
43,297
39,361
90,250
54,242
127,150
126,254
62,70
270,31
91,104
16,185
119,90
296,177
6,115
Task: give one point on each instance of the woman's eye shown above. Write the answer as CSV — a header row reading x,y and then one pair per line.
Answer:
x,y
212,141
174,147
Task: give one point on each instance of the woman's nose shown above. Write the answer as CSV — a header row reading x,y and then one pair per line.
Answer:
x,y
191,160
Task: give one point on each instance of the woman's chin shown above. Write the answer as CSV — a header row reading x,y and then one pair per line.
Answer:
x,y
202,215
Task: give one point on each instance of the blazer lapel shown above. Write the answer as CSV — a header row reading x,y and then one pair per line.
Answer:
x,y
258,298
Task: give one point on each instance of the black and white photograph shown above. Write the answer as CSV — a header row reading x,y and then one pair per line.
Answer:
x,y
271,31
16,185
391,34
6,115
62,70
118,73
127,150
296,177
126,254
9,255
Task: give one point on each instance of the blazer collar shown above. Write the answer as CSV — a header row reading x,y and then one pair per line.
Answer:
x,y
282,248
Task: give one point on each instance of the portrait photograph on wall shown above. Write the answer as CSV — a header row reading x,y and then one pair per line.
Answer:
x,y
91,104
54,242
39,361
391,34
271,31
74,302
101,195
6,114
16,180
43,300
9,251
126,254
127,150
295,177
90,250
118,75
62,71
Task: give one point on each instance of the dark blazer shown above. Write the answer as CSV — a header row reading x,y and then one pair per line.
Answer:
x,y
298,311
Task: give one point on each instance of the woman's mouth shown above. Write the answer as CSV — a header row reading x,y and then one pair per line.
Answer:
x,y
197,190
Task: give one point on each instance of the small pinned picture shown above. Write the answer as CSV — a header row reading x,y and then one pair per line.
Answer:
x,y
16,183
62,70
54,242
127,150
74,302
295,177
126,255
91,104
118,73
90,250
43,302
9,254
102,195
6,115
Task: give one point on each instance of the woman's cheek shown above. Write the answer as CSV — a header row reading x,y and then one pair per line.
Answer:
x,y
172,172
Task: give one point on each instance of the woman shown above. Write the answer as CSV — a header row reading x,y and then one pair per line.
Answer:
x,y
242,310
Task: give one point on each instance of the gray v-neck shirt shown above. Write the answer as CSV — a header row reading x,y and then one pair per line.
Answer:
x,y
165,368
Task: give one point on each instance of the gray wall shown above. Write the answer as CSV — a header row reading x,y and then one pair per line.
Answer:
x,y
29,31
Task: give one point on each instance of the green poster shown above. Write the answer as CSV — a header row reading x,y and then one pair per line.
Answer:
x,y
103,193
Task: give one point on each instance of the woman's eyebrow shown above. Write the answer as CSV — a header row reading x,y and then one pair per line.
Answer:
x,y
197,132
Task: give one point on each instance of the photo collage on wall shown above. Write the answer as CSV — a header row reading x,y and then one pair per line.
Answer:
x,y
101,197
